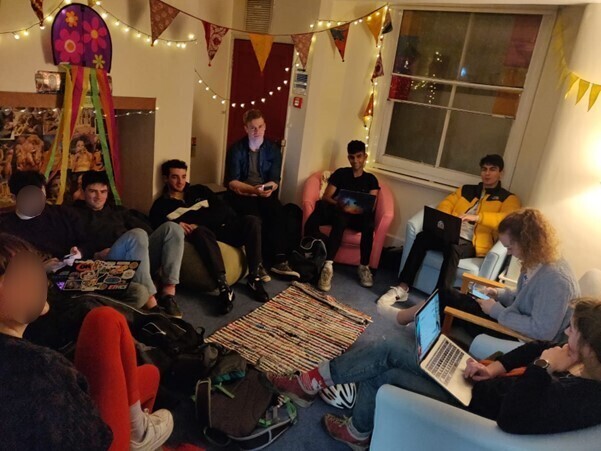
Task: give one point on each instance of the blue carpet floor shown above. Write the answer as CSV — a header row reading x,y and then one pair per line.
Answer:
x,y
307,433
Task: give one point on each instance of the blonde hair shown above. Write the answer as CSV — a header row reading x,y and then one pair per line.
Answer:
x,y
587,320
535,236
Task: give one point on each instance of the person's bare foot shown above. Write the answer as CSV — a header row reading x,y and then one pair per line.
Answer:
x,y
406,316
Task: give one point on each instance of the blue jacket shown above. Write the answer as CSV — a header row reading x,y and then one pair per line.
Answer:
x,y
270,161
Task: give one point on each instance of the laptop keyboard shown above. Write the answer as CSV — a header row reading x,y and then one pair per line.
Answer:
x,y
445,361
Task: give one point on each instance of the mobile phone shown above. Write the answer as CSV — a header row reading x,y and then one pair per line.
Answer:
x,y
267,187
479,294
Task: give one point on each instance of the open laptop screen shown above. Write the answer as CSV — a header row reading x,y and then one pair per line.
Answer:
x,y
427,326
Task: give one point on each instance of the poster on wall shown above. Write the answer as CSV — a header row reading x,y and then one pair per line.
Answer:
x,y
26,137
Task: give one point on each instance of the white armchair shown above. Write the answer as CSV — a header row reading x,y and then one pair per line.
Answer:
x,y
488,267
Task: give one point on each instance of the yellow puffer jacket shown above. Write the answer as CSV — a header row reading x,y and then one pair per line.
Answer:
x,y
496,204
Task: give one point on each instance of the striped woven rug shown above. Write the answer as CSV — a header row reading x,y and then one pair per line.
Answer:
x,y
296,330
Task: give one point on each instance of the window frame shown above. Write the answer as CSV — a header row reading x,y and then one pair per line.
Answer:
x,y
383,108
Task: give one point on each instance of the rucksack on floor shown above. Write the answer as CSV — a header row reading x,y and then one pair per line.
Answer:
x,y
248,411
308,258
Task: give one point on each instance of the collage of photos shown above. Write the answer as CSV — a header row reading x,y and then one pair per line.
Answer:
x,y
26,138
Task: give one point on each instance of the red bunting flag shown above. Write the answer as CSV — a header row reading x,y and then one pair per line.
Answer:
x,y
378,68
302,44
161,16
214,35
339,35
38,9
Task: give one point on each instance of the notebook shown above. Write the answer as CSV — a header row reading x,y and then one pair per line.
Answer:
x,y
106,276
442,225
437,355
355,202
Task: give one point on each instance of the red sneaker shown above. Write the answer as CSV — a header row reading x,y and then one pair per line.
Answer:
x,y
290,386
338,428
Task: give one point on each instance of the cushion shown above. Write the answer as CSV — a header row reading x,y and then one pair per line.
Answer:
x,y
325,177
194,273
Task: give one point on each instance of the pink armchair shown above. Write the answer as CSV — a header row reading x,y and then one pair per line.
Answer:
x,y
349,251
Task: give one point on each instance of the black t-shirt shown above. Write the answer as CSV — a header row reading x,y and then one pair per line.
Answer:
x,y
343,178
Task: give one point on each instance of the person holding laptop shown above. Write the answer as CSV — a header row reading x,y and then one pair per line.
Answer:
x,y
335,210
559,389
481,208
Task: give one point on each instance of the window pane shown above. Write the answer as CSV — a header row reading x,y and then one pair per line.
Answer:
x,y
471,136
430,43
402,88
504,59
415,132
487,101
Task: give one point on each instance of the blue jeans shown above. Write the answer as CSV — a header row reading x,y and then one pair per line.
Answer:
x,y
163,250
387,362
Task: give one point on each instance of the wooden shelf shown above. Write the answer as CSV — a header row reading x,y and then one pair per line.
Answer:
x,y
35,100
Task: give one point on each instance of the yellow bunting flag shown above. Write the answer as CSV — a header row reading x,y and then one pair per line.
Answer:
x,y
582,88
572,79
592,97
368,114
161,16
374,22
262,46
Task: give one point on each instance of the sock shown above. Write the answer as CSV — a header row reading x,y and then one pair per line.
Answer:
x,y
137,421
311,381
329,263
355,433
169,289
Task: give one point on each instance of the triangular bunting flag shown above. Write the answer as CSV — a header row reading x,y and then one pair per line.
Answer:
x,y
582,88
214,34
374,22
387,25
379,68
302,44
340,35
369,110
161,16
38,9
592,97
572,79
262,46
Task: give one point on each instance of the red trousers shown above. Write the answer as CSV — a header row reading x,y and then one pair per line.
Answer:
x,y
106,356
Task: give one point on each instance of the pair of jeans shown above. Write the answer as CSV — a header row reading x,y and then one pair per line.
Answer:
x,y
327,214
106,356
244,231
163,250
452,253
389,362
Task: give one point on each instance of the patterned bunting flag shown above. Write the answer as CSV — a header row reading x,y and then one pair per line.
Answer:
x,y
214,35
161,16
387,25
302,44
379,67
262,46
340,35
38,8
374,23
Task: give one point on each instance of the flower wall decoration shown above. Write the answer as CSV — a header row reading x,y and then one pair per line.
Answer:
x,y
80,37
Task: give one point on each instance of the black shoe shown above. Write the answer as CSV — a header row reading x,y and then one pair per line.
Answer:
x,y
169,306
226,298
258,291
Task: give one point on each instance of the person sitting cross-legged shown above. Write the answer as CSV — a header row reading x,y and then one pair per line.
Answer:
x,y
329,210
118,234
207,220
559,391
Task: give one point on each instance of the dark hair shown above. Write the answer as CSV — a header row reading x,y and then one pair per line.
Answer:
x,y
175,164
493,160
9,246
21,179
92,177
251,115
587,319
86,142
355,146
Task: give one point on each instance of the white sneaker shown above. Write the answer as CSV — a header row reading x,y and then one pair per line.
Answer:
x,y
159,426
394,294
366,279
325,278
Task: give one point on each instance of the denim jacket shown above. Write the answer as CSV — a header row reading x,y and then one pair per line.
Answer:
x,y
270,161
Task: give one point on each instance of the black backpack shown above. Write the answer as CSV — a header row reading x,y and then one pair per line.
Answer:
x,y
308,258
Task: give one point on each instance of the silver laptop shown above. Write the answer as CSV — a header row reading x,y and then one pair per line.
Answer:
x,y
437,355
